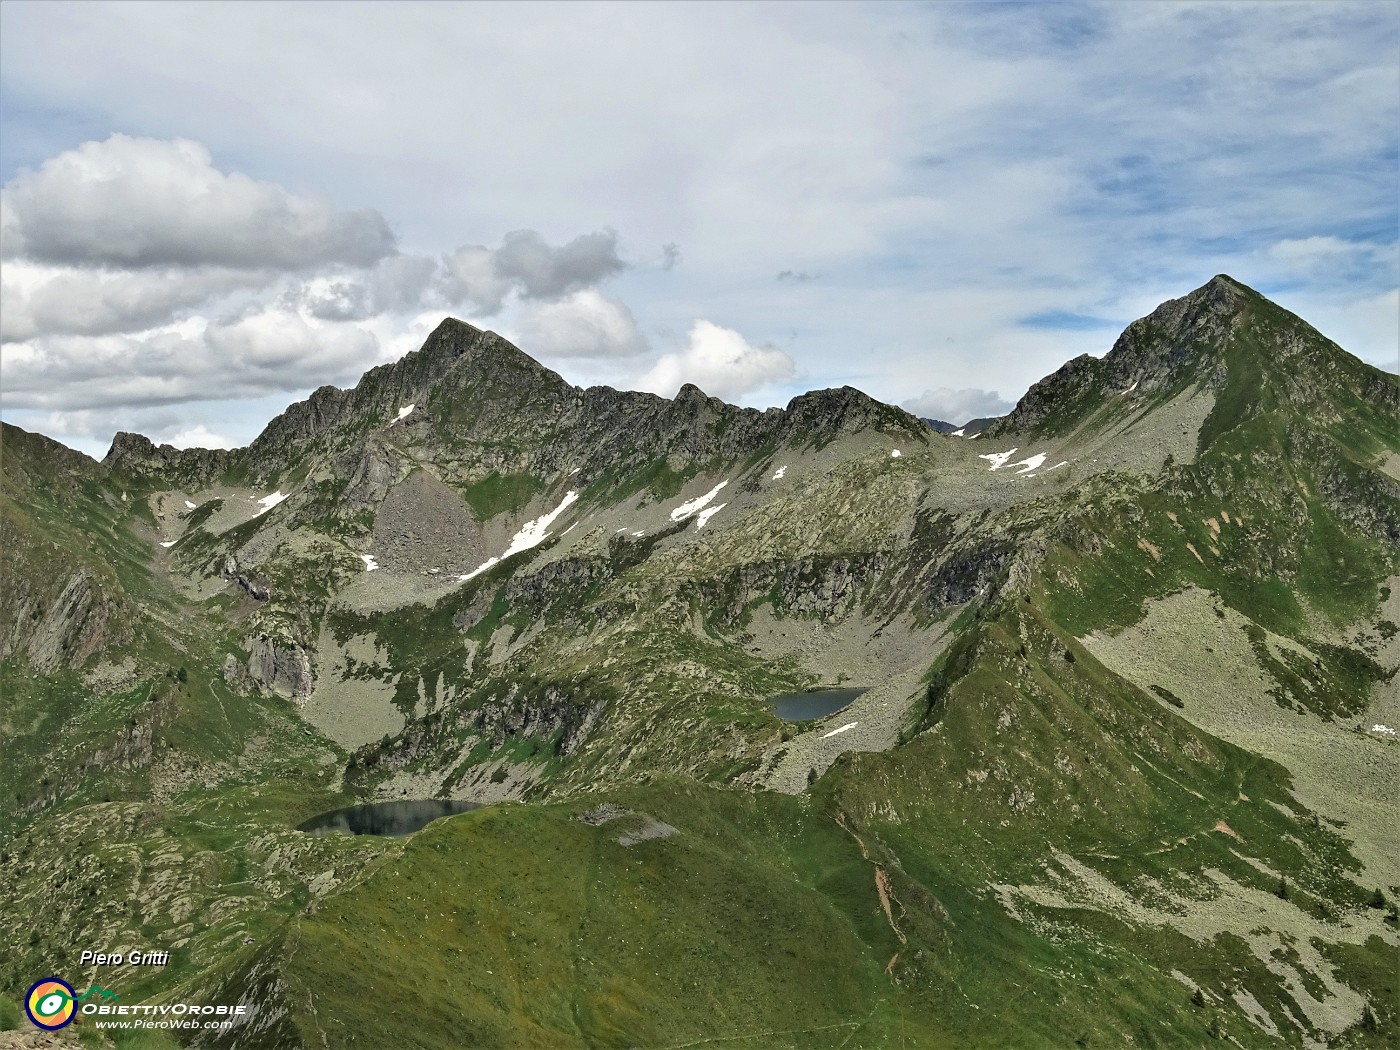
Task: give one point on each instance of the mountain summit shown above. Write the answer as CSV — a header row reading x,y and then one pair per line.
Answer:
x,y
1224,338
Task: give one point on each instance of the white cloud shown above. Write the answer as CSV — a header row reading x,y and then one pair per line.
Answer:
x,y
585,324
529,266
266,351
139,202
720,362
397,284
957,406
199,436
38,299
1326,259
277,341
470,277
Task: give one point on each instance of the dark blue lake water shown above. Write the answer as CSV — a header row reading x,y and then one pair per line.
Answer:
x,y
799,707
394,819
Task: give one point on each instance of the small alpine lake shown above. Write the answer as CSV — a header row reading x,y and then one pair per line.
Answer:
x,y
392,819
815,703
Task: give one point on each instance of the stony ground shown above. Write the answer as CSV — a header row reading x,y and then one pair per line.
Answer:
x,y
1166,648
1280,935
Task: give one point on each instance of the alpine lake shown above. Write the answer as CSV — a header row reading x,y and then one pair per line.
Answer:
x,y
815,703
390,819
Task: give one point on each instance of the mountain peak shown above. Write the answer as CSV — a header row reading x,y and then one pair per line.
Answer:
x,y
690,392
1191,339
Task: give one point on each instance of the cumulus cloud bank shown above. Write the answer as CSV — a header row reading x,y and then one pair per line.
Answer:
x,y
139,274
720,362
138,202
265,352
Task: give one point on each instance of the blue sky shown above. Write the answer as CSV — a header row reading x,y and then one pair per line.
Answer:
x,y
210,209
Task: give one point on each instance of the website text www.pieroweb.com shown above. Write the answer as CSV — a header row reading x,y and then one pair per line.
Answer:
x,y
53,1003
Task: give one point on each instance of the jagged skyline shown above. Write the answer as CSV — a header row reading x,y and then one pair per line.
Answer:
x,y
937,205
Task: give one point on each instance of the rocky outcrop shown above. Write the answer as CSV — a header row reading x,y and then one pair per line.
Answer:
x,y
134,747
373,471
966,573
557,581
72,628
277,665
552,710
250,584
138,456
819,586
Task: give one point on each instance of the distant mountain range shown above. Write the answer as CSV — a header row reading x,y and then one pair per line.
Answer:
x,y
1124,772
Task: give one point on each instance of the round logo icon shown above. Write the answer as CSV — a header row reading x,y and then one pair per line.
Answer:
x,y
50,1003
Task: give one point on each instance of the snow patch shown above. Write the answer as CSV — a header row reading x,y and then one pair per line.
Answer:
x,y
268,502
778,474
531,534
478,570
1130,389
574,471
958,433
1378,728
171,543
840,729
997,459
703,518
895,453
370,563
1028,465
189,505
405,412
642,533
569,529
1057,466
685,510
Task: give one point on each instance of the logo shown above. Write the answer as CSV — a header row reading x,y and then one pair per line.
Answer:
x,y
103,992
50,1003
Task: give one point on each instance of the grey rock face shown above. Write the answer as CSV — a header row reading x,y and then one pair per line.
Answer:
x,y
138,455
423,524
280,667
539,716
373,470
492,407
71,630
